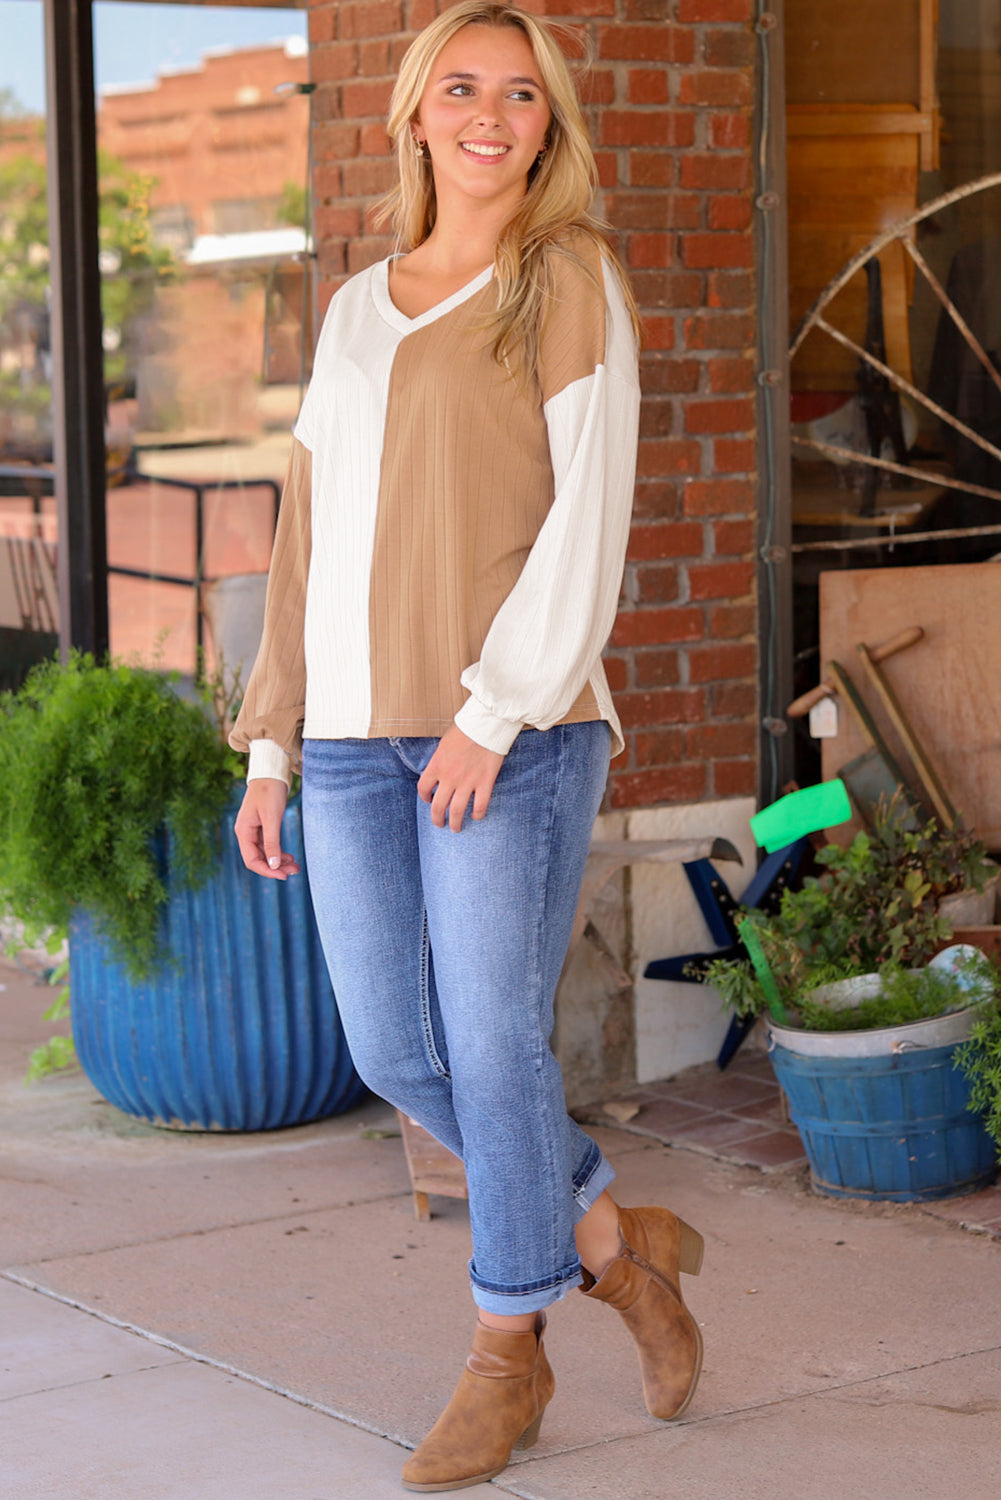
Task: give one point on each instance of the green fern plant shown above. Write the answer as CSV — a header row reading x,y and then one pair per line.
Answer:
x,y
904,996
97,761
980,1060
57,1054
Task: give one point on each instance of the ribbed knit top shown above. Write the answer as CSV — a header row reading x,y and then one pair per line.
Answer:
x,y
451,536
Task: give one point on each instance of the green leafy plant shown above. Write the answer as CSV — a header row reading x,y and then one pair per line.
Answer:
x,y
875,905
903,996
58,1053
946,860
97,762
293,205
134,266
980,1060
739,986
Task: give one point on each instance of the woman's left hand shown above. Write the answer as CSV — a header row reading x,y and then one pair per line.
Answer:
x,y
458,769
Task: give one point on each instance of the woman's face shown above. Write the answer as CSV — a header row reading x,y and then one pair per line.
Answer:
x,y
483,114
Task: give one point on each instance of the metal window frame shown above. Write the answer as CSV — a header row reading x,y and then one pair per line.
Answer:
x,y
78,397
774,493
77,352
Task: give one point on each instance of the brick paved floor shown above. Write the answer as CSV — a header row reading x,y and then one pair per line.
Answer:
x,y
739,1115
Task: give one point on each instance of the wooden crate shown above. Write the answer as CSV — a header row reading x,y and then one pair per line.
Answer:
x,y
433,1168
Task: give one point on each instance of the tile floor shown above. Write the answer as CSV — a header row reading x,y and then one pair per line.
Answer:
x,y
739,1115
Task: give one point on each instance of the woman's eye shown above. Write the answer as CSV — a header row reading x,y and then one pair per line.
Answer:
x,y
524,96
460,88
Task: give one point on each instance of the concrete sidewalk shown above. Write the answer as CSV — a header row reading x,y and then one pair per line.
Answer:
x,y
247,1317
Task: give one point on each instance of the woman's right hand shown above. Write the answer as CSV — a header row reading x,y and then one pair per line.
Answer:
x,y
258,829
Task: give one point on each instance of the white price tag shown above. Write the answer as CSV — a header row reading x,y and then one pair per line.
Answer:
x,y
824,719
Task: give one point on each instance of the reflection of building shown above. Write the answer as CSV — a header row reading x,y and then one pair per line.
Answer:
x,y
25,356
222,147
226,156
22,135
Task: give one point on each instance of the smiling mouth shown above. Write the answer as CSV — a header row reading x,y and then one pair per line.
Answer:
x,y
477,149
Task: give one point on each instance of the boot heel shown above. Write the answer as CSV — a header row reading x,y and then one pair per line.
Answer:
x,y
690,1249
530,1436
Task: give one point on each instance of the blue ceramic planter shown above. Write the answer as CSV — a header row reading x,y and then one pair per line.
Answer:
x,y
239,1029
885,1114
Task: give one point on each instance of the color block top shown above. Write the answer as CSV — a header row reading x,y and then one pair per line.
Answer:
x,y
451,538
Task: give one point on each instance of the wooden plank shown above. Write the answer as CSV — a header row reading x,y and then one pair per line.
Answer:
x,y
433,1168
843,191
927,48
847,151
827,503
843,209
930,779
949,684
868,53
803,121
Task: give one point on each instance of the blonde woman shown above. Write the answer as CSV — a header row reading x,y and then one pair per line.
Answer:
x,y
444,578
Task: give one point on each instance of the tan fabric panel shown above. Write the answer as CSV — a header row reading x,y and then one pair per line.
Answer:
x,y
572,338
278,679
466,484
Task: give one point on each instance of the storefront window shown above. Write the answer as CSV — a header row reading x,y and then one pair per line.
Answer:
x,y
893,116
203,139
206,296
29,607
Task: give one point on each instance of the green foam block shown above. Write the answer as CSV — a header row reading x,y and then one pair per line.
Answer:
x,y
794,816
762,968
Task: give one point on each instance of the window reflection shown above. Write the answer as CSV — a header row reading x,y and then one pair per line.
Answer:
x,y
206,361
29,610
206,295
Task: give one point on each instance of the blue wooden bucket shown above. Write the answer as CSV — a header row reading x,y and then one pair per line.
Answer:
x,y
891,1125
238,1027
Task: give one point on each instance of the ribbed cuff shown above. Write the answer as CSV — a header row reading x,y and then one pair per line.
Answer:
x,y
486,728
268,759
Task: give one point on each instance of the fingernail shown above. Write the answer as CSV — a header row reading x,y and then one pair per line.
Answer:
x,y
274,862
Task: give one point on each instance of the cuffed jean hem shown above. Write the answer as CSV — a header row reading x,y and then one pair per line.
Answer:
x,y
510,1304
593,1177
597,1176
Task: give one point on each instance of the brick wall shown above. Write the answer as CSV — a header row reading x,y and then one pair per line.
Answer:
x,y
214,134
670,109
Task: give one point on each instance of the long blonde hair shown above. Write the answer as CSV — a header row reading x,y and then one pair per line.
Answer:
x,y
561,187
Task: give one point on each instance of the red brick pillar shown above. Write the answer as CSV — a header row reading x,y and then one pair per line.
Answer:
x,y
669,102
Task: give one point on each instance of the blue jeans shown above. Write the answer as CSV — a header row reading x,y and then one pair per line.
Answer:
x,y
444,950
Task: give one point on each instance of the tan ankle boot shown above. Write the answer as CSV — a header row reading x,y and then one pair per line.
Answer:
x,y
497,1406
642,1284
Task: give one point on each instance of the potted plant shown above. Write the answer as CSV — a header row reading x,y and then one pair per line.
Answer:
x,y
865,1026
980,1059
199,995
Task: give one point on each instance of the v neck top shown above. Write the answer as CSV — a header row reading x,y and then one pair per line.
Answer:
x,y
451,537
387,308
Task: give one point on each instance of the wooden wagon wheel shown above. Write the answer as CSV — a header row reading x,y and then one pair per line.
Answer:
x,y
815,319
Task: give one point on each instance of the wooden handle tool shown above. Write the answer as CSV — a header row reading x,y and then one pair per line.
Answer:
x,y
930,779
801,706
874,777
